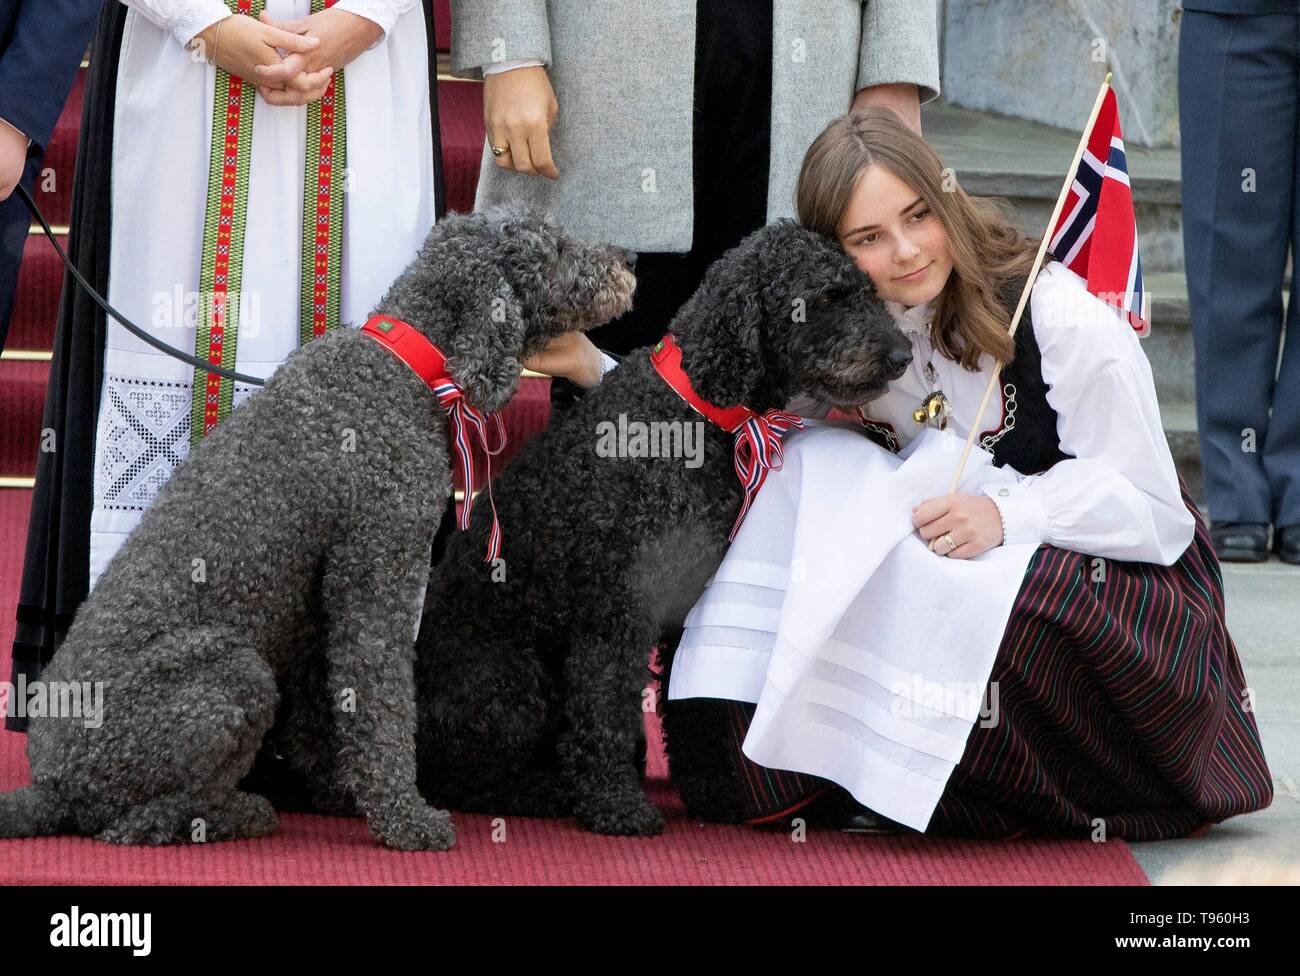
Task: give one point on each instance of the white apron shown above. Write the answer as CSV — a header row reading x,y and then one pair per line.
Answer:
x,y
162,131
867,654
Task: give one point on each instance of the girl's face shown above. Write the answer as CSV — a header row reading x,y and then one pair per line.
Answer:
x,y
892,235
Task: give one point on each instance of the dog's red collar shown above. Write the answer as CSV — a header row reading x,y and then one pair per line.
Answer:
x,y
758,435
667,359
429,363
409,345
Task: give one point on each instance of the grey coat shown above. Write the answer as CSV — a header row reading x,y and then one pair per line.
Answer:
x,y
623,73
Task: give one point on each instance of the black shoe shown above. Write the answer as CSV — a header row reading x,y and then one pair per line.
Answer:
x,y
1240,542
838,810
1286,543
869,822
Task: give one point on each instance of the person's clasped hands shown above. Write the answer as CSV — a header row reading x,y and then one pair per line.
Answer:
x,y
290,61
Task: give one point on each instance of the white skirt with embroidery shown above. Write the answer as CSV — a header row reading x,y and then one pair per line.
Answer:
x,y
866,653
162,126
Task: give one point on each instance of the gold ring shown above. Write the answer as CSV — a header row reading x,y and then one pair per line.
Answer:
x,y
499,150
947,537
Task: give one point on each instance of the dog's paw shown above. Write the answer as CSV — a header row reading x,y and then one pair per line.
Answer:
x,y
415,827
334,801
624,814
710,799
539,795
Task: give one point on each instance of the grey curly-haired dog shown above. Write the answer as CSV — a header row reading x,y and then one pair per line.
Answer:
x,y
300,529
530,673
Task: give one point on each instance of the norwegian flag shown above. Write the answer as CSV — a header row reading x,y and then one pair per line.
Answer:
x,y
1096,236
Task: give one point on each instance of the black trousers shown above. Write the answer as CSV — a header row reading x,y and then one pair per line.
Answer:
x,y
1239,94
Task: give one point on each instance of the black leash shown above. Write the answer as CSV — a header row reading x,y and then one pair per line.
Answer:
x,y
127,323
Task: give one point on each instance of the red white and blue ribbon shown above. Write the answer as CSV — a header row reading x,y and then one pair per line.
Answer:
x,y
758,436
463,418
428,362
758,451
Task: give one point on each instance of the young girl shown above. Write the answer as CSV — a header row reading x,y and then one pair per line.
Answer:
x,y
1070,577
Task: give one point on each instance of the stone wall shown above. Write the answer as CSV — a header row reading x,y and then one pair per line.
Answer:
x,y
1044,59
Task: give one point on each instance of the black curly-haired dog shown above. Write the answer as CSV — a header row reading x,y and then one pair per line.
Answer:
x,y
300,530
530,673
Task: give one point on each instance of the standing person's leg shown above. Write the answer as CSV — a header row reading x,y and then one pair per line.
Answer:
x,y
732,131
1282,447
14,222
1237,87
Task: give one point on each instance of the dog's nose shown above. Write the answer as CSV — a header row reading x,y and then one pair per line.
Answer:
x,y
899,360
630,258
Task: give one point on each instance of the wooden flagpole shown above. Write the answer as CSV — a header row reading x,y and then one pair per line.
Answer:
x,y
1033,272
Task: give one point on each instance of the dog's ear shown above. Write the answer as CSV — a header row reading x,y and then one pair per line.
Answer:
x,y
722,329
485,346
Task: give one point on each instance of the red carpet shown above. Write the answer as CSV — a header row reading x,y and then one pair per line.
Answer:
x,y
334,851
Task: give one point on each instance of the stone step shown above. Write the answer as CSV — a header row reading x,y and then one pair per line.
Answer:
x,y
1025,164
1179,421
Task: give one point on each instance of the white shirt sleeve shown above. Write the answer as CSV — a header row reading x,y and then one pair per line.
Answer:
x,y
181,18
496,67
1119,497
385,13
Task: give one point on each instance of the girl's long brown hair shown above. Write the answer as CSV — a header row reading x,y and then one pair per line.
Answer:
x,y
987,252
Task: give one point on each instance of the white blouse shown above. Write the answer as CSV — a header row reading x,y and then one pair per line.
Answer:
x,y
1119,496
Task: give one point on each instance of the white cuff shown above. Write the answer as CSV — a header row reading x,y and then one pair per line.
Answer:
x,y
606,363
496,67
196,16
1023,518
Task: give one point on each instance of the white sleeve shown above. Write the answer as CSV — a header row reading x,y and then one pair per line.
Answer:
x,y
807,406
1119,496
385,13
496,67
181,18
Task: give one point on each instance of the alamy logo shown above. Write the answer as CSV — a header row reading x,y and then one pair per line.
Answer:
x,y
74,930
918,697
54,699
657,438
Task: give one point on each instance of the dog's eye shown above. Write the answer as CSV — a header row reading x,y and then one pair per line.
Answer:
x,y
822,300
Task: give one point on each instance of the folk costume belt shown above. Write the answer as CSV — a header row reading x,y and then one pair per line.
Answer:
x,y
428,362
758,435
221,271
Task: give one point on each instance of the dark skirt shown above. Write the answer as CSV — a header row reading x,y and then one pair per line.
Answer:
x,y
1122,711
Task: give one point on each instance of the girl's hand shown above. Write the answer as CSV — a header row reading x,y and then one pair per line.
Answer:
x,y
973,520
244,45
518,108
341,35
572,355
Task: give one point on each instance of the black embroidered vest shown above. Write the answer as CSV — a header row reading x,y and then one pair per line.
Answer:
x,y
1025,438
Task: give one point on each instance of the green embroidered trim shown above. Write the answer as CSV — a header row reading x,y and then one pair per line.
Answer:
x,y
322,232
221,273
